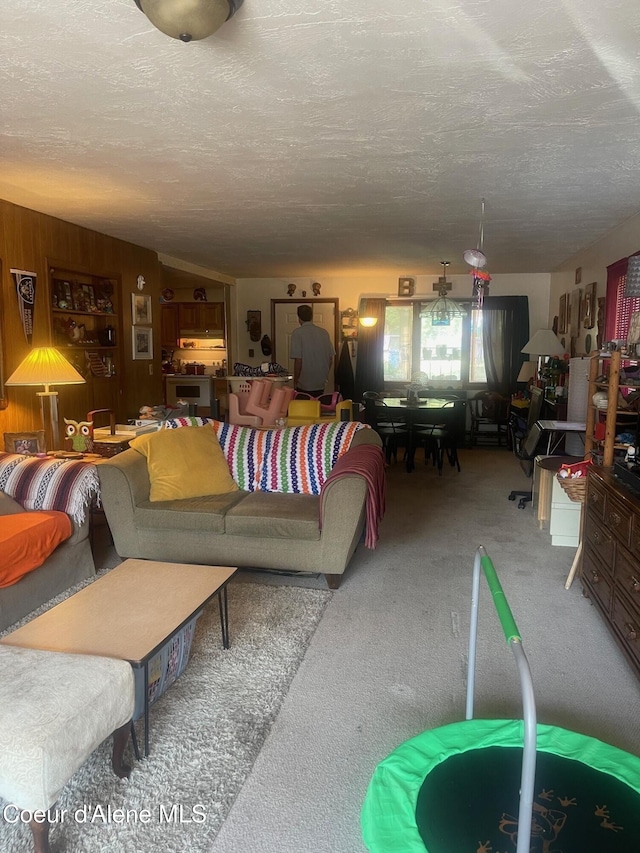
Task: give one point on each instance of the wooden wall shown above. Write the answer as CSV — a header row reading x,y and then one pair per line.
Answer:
x,y
31,241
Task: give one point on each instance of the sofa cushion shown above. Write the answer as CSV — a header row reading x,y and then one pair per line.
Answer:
x,y
198,514
274,516
8,506
27,539
298,460
184,463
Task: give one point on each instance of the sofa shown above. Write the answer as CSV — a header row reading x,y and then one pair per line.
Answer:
x,y
262,517
44,522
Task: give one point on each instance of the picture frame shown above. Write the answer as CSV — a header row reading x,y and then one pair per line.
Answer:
x,y
578,278
574,312
142,343
589,306
562,315
25,442
140,309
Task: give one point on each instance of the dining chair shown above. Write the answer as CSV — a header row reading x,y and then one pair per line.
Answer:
x,y
489,417
442,431
392,428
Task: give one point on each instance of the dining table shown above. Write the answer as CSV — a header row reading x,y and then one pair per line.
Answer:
x,y
411,411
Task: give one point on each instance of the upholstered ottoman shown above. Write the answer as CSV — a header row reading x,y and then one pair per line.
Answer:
x,y
55,710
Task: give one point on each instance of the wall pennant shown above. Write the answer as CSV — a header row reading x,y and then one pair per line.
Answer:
x,y
26,292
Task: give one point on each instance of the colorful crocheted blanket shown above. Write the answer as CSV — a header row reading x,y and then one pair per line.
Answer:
x,y
61,484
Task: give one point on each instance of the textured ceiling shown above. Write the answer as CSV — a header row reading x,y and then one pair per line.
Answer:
x,y
316,136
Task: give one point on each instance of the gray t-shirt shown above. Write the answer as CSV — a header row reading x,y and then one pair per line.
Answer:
x,y
313,345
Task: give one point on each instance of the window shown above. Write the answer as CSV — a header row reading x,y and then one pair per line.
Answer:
x,y
450,355
619,307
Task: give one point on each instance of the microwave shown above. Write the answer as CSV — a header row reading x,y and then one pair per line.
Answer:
x,y
195,390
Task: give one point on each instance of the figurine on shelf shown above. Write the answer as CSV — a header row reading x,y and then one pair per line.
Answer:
x,y
75,331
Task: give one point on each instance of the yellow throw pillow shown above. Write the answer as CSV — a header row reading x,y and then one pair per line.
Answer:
x,y
184,463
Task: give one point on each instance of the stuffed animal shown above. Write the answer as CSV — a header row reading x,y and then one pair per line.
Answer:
x,y
79,436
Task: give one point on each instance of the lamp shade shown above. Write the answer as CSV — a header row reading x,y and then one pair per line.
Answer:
x,y
188,20
45,366
544,342
527,371
368,322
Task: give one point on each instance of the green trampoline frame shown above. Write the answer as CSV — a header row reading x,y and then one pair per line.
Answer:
x,y
388,817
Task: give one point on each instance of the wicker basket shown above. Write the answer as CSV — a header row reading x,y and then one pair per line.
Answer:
x,y
575,487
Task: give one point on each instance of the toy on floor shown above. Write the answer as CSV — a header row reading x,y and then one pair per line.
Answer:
x,y
483,786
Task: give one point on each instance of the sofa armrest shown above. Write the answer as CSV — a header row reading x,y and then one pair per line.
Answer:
x,y
124,485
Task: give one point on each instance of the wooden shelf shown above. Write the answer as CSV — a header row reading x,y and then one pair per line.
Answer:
x,y
600,364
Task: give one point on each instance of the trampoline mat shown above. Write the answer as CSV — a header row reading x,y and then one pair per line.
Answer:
x,y
469,804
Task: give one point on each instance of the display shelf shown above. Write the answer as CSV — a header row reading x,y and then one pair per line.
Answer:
x,y
608,364
86,327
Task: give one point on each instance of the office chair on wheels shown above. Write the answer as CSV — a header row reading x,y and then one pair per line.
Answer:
x,y
525,443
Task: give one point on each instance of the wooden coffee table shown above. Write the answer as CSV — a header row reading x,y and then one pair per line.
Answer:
x,y
130,614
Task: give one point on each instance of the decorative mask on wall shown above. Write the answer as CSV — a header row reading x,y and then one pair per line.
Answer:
x,y
291,289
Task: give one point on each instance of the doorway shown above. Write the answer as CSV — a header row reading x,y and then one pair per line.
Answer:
x,y
284,319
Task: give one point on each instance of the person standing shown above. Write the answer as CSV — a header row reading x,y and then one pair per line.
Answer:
x,y
312,353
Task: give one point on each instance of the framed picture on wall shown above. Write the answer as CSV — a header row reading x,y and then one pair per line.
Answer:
x,y
589,306
142,340
562,315
140,309
574,312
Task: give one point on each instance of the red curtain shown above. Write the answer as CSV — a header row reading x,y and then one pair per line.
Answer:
x,y
618,307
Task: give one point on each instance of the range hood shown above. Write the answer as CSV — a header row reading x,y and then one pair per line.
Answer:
x,y
199,342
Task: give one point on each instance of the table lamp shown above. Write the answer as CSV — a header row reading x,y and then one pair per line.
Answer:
x,y
543,344
46,366
527,372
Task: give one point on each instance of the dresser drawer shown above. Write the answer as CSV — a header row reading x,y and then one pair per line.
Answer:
x,y
599,540
627,577
626,623
596,497
597,583
618,518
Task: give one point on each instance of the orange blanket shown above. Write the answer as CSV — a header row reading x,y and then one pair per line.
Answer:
x,y
27,539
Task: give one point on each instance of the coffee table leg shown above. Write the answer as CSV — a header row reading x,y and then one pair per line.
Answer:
x,y
146,709
224,617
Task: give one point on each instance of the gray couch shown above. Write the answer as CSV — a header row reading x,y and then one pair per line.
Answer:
x,y
246,529
71,562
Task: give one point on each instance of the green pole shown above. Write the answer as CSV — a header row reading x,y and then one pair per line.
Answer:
x,y
503,610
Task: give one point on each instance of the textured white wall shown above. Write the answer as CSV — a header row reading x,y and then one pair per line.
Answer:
x,y
593,261
256,294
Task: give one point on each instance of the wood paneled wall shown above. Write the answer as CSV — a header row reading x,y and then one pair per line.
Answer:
x,y
31,241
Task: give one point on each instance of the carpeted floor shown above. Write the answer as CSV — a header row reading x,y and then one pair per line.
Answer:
x,y
206,732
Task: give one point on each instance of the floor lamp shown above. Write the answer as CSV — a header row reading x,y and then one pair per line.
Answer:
x,y
46,366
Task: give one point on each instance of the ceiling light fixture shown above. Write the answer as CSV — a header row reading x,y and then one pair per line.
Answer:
x,y
188,20
442,310
477,259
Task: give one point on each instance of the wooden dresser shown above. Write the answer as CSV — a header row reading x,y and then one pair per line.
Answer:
x,y
611,559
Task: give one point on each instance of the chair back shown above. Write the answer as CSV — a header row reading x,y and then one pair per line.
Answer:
x,y
303,412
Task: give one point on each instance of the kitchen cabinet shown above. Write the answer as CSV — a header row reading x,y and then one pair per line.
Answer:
x,y
604,424
611,566
201,318
169,329
86,327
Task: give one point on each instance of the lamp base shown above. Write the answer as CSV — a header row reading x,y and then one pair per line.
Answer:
x,y
53,417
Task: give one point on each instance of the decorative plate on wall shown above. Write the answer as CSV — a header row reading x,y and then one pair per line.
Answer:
x,y
167,294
